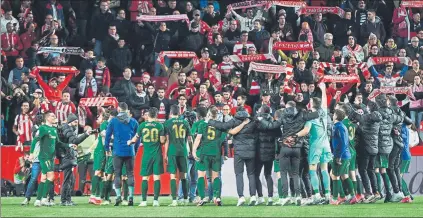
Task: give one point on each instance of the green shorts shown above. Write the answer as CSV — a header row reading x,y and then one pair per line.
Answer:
x,y
99,161
176,163
353,165
47,165
405,164
109,169
276,167
338,170
208,162
382,161
152,165
319,155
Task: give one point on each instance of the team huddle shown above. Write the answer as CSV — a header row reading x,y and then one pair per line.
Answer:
x,y
341,154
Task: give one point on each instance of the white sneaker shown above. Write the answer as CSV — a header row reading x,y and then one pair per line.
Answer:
x,y
206,199
105,202
253,200
44,202
285,201
51,203
396,197
185,202
269,201
402,194
156,203
306,201
278,202
124,203
173,204
260,201
241,201
143,204
25,202
37,203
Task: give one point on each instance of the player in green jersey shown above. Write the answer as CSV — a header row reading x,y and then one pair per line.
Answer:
x,y
177,132
97,183
152,136
47,137
351,127
209,155
108,167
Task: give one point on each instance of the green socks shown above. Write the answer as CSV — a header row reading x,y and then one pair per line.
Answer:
x,y
340,189
216,187
387,182
185,188
314,181
144,188
379,183
355,186
125,189
156,189
335,188
173,188
280,188
47,187
326,181
40,190
200,187
404,188
99,189
94,183
351,186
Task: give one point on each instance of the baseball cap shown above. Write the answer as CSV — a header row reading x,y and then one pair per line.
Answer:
x,y
38,91
265,93
204,50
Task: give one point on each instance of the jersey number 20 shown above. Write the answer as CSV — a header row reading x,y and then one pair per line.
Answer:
x,y
150,135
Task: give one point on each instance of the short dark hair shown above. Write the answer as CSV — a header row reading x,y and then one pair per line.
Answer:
x,y
265,109
215,36
243,97
180,96
244,31
343,106
46,114
137,83
214,111
123,106
174,110
340,115
201,112
279,113
152,112
102,59
317,103
291,104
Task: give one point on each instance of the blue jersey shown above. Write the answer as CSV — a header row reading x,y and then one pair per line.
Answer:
x,y
405,154
340,141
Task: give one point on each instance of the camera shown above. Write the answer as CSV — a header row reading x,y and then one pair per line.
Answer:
x,y
27,164
95,131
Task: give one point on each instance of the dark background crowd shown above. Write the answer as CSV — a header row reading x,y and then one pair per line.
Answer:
x,y
120,55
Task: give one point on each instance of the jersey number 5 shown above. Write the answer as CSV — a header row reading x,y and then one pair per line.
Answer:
x,y
211,133
180,131
150,135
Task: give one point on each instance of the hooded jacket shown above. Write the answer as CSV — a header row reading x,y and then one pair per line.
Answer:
x,y
121,58
368,129
123,128
292,121
266,140
389,52
123,90
389,119
396,132
376,28
245,141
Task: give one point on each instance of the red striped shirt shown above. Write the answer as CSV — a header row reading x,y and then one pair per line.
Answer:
x,y
23,123
63,111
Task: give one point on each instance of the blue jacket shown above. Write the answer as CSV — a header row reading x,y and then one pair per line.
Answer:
x,y
405,154
123,128
340,141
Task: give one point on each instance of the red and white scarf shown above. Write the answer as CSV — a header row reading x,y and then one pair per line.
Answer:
x,y
177,54
354,78
320,9
250,58
159,18
362,66
247,4
392,90
293,46
270,68
412,4
382,60
10,40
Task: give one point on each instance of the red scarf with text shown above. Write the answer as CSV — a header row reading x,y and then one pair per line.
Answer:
x,y
177,54
293,46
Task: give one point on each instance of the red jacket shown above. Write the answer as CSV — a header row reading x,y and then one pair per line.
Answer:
x,y
172,91
9,40
50,93
197,99
247,108
26,39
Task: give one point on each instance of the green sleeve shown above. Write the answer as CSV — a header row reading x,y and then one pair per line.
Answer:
x,y
194,128
139,130
161,130
186,124
223,136
33,143
41,132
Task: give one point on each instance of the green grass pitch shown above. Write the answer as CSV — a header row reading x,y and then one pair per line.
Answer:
x,y
11,207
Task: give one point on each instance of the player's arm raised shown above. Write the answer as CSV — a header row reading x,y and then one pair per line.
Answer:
x,y
237,129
